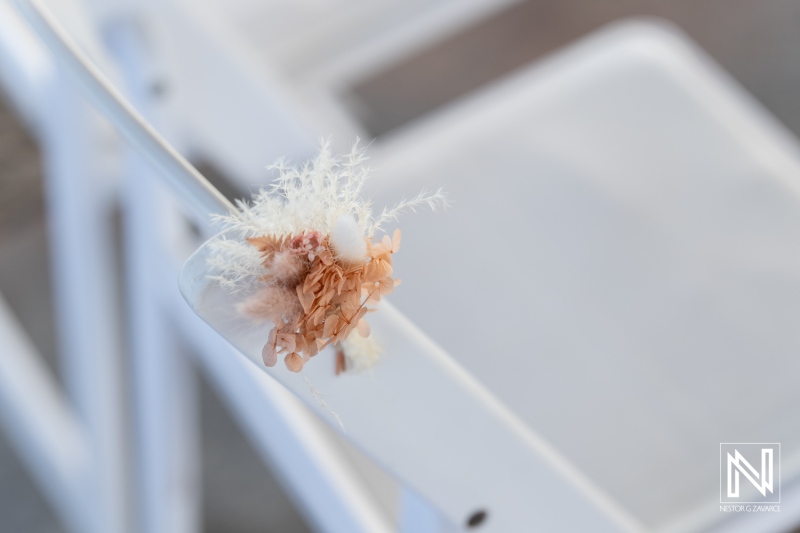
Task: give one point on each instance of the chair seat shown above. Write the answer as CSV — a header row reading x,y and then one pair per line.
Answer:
x,y
621,265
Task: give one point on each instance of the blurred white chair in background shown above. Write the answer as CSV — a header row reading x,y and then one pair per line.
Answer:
x,y
84,473
621,266
81,468
243,83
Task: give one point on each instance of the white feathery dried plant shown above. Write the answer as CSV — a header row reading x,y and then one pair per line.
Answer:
x,y
303,255
311,197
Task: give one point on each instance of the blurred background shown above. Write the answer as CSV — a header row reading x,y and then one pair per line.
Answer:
x,y
758,43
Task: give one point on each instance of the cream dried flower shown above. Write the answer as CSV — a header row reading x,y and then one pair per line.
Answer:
x,y
304,251
359,353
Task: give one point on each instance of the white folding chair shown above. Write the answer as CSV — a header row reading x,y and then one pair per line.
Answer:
x,y
247,82
585,189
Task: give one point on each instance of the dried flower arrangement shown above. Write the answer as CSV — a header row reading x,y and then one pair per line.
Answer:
x,y
303,256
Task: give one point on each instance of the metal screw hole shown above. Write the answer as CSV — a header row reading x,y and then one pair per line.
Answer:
x,y
158,89
476,519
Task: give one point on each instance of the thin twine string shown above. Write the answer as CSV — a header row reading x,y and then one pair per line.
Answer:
x,y
318,396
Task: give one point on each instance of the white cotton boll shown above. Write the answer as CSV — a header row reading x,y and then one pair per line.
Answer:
x,y
348,240
361,353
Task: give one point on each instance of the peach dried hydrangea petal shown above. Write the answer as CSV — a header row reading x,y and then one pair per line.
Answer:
x,y
350,306
363,328
377,268
373,294
326,258
359,315
269,352
286,342
294,362
318,316
386,286
269,355
331,298
311,345
331,323
300,345
306,299
326,297
379,251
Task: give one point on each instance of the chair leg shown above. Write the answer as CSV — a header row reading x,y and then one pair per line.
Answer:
x,y
80,209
